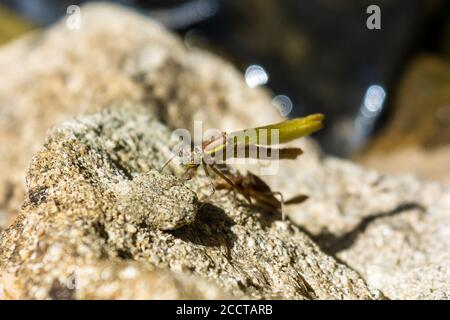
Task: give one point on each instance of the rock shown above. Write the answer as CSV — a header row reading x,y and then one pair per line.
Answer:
x,y
353,212
87,228
71,228
393,230
417,137
159,201
405,251
421,110
99,66
430,164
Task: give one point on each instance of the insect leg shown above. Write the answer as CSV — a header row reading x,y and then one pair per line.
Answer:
x,y
224,177
167,163
283,214
205,167
282,203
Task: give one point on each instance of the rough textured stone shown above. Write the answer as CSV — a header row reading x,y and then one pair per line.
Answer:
x,y
394,230
159,201
71,222
430,164
117,57
86,231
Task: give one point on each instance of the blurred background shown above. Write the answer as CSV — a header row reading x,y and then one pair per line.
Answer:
x,y
386,92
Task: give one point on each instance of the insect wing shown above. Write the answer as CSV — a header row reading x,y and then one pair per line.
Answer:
x,y
297,199
257,183
258,152
278,133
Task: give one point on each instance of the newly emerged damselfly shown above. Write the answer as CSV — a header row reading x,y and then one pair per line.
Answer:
x,y
249,143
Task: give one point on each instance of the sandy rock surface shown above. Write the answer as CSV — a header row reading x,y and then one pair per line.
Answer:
x,y
394,230
98,220
117,57
76,217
